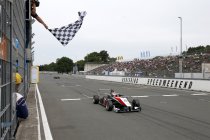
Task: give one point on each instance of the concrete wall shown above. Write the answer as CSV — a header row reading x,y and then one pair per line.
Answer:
x,y
205,74
193,75
198,85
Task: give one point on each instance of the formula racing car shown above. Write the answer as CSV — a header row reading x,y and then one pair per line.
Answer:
x,y
117,102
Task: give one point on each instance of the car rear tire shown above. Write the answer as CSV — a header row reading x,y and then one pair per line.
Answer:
x,y
109,105
135,103
95,99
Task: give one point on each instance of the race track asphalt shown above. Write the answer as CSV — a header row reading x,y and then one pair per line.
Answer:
x,y
167,114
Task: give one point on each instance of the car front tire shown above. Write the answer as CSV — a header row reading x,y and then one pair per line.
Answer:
x,y
95,99
109,105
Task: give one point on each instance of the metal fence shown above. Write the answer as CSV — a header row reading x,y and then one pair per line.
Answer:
x,y
12,59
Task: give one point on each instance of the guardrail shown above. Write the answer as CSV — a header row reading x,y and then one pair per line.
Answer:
x,y
186,84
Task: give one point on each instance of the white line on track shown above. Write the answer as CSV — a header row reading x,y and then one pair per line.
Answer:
x,y
87,96
45,124
107,89
204,100
76,99
196,94
38,119
141,96
170,95
70,86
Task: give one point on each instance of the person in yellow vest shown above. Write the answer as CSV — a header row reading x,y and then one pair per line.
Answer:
x,y
21,106
18,81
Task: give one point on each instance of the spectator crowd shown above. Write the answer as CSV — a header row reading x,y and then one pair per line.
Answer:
x,y
156,67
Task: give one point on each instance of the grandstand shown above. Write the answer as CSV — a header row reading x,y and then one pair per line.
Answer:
x,y
156,67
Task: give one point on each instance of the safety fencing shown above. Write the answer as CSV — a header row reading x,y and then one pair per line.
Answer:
x,y
186,84
12,59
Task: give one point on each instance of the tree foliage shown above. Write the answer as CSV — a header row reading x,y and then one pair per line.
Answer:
x,y
101,57
49,67
104,56
64,65
93,57
198,50
80,64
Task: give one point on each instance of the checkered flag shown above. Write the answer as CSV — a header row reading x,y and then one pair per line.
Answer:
x,y
66,33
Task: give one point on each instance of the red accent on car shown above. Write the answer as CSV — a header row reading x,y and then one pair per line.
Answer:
x,y
120,100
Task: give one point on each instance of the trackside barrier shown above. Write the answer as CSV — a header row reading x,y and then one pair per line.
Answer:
x,y
198,85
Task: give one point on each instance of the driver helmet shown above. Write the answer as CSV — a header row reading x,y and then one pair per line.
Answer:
x,y
113,92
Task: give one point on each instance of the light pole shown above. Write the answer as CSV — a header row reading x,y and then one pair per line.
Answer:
x,y
180,35
180,58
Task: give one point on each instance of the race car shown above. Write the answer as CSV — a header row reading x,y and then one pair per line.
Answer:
x,y
56,77
117,102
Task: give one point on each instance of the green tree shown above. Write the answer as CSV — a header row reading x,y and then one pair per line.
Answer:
x,y
93,57
64,65
42,67
207,49
197,50
104,56
80,64
101,57
52,66
48,67
112,59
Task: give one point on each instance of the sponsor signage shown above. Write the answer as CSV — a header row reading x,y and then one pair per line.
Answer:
x,y
130,80
34,74
171,83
